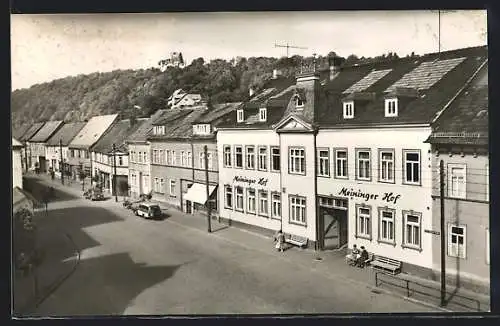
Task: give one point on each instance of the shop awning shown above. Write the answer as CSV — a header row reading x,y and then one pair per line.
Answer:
x,y
198,193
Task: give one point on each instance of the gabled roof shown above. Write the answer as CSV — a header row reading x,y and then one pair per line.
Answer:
x,y
181,126
217,111
65,134
46,131
142,132
92,131
117,134
465,121
19,132
16,143
31,131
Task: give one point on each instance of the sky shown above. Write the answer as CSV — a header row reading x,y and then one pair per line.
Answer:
x,y
47,47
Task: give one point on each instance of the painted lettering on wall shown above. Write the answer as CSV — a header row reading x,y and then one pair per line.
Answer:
x,y
389,197
249,181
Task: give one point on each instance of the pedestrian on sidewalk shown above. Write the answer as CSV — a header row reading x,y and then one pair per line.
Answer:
x,y
279,238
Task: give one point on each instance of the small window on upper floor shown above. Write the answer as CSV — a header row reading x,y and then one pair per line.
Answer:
x,y
239,115
391,107
349,110
262,114
298,102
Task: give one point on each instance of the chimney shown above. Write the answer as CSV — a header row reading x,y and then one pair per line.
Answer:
x,y
308,82
334,63
251,91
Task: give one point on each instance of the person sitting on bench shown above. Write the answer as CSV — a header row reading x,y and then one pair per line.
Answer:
x,y
363,256
354,255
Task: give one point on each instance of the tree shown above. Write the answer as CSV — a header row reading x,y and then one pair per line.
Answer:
x,y
82,175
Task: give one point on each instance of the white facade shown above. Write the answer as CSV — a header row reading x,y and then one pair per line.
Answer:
x,y
103,164
139,169
17,170
395,195
53,157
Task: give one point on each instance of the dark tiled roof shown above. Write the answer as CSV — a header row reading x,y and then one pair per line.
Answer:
x,y
421,109
217,111
66,134
46,131
465,121
181,126
116,134
32,131
170,116
142,132
19,132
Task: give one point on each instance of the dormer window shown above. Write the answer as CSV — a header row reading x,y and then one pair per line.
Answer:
x,y
349,110
391,107
262,114
239,115
159,130
298,102
201,129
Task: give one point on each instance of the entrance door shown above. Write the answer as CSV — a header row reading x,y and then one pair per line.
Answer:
x,y
333,222
42,164
330,229
189,207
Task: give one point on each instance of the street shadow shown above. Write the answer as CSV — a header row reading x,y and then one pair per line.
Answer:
x,y
38,190
104,286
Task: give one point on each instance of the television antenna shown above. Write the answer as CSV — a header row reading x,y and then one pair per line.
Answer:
x,y
288,47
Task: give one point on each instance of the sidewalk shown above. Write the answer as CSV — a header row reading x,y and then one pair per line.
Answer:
x,y
329,263
54,247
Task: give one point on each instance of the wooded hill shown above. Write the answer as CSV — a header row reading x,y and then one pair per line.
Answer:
x,y
78,98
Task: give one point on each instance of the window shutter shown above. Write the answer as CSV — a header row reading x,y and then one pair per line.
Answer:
x,y
451,249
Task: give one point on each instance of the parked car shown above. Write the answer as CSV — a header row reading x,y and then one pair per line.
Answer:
x,y
94,194
148,210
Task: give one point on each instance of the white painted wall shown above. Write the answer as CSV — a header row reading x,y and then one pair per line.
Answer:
x,y
417,198
226,175
141,170
17,170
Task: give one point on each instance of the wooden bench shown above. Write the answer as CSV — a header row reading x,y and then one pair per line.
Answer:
x,y
296,240
386,264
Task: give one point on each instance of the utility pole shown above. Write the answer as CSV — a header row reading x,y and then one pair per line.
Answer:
x,y
443,235
209,209
114,171
26,157
288,47
61,165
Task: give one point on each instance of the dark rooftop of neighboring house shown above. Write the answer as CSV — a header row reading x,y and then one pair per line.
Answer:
x,y
66,134
217,111
19,132
46,131
423,86
142,132
31,131
465,121
117,134
178,125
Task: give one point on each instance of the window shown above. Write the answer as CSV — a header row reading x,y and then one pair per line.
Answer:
x,y
202,160
412,230
140,157
174,159
120,160
189,159
298,102
227,156
263,158
275,159
238,153
411,167
456,241
239,198
348,110
228,203
168,157
162,186
391,107
276,205
145,157
161,157
297,160
297,210
457,180
364,219
172,188
323,163
250,152
363,165
487,246
210,160
183,158
263,203
262,114
340,163
386,165
251,200
386,228
158,185
239,115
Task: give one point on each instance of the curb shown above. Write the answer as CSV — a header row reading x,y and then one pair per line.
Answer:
x,y
51,288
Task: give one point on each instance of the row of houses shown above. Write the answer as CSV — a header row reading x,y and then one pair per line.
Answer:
x,y
340,156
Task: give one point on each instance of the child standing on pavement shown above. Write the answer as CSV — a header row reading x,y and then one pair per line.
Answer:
x,y
279,237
